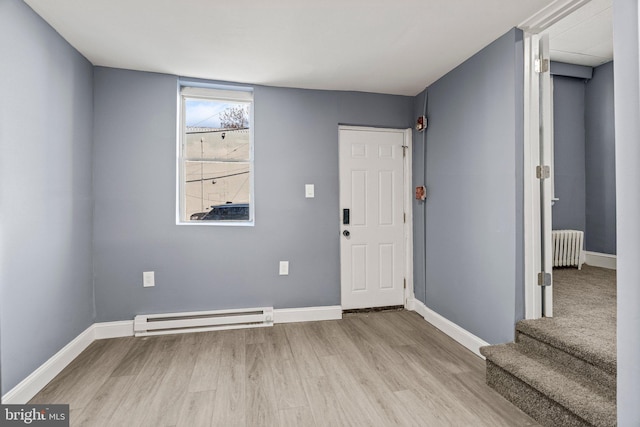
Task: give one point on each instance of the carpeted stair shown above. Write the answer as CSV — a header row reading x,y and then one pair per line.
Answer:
x,y
562,370
556,381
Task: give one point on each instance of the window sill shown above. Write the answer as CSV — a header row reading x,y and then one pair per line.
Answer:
x,y
218,223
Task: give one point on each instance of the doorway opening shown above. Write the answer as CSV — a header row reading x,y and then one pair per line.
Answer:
x,y
575,139
583,188
570,140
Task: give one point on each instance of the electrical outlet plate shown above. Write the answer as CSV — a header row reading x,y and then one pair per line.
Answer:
x,y
148,279
309,191
284,268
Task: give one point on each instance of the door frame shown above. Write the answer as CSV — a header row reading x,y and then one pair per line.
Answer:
x,y
407,202
532,28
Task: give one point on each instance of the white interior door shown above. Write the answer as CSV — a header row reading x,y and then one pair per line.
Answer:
x,y
372,251
538,121
546,159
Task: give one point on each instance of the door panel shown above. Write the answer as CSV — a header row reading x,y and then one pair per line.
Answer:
x,y
358,198
546,158
386,257
371,187
359,268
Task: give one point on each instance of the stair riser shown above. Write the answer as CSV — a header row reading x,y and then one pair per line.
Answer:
x,y
607,366
605,382
538,406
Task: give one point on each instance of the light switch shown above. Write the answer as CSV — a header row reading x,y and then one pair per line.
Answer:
x,y
148,279
284,268
309,191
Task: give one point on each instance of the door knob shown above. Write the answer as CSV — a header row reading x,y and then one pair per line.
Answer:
x,y
346,233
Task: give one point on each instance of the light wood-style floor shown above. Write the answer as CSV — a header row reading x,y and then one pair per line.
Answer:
x,y
369,369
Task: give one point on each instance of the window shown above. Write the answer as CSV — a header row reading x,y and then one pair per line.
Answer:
x,y
215,157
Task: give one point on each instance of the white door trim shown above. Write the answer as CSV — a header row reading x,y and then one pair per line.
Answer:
x,y
408,205
550,14
408,210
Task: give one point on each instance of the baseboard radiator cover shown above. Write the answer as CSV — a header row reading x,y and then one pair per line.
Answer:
x,y
567,248
200,321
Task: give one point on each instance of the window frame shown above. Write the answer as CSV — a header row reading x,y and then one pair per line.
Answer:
x,y
196,90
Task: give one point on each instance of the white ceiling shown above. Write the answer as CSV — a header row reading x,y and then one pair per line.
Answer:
x,y
585,37
384,46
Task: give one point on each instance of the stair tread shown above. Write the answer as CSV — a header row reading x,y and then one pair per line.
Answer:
x,y
554,382
577,343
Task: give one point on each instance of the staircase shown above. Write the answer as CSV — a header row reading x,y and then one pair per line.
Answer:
x,y
556,381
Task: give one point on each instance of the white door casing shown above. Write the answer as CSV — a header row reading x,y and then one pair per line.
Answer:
x,y
372,184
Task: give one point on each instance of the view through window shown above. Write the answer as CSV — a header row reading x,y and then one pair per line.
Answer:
x,y
216,156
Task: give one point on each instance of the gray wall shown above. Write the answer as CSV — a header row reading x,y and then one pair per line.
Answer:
x,y
569,153
626,50
209,267
45,192
600,162
474,165
584,142
571,70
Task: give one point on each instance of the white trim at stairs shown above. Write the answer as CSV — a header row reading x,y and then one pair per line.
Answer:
x,y
30,386
461,335
596,259
307,314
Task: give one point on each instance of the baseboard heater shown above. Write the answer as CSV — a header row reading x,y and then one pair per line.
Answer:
x,y
177,323
567,248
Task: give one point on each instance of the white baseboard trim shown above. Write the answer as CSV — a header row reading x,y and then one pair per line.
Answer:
x,y
30,386
307,314
596,259
410,304
461,335
105,330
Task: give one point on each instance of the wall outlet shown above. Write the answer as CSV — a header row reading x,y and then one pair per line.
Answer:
x,y
284,268
309,191
148,279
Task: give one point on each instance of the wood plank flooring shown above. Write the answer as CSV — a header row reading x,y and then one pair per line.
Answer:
x,y
368,369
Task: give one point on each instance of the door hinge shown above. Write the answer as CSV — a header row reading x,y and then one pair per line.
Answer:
x,y
405,283
404,215
404,150
541,65
543,172
544,279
